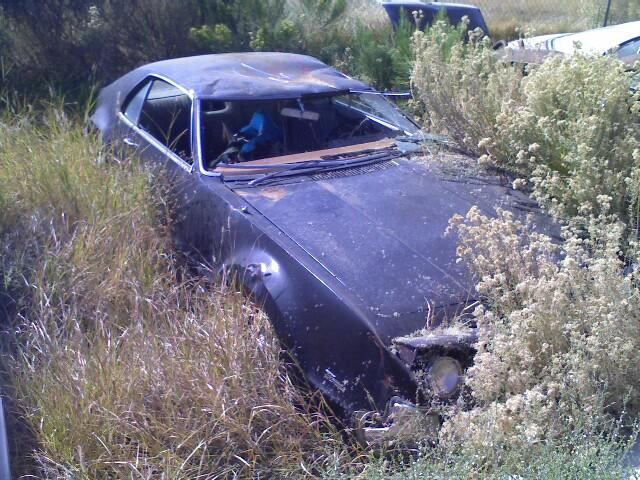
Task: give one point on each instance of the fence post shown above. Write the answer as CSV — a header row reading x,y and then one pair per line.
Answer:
x,y
606,13
5,472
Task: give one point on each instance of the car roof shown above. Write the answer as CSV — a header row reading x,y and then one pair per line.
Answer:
x,y
248,76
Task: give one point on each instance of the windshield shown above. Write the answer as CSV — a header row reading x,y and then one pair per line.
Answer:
x,y
377,105
245,131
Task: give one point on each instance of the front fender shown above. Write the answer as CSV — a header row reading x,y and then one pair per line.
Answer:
x,y
329,335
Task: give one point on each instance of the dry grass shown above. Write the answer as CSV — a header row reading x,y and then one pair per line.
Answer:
x,y
506,18
368,13
122,368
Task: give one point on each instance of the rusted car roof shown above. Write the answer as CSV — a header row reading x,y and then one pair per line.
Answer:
x,y
247,76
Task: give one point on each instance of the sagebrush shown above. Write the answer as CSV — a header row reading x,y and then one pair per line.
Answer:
x,y
559,334
569,129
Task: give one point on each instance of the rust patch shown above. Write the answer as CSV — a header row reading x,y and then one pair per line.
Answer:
x,y
273,193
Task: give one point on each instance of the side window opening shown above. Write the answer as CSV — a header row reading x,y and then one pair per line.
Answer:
x,y
165,113
628,49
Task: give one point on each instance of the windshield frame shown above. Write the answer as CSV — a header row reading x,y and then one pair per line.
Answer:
x,y
198,101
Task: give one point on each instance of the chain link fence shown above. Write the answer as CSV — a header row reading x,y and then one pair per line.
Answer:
x,y
505,17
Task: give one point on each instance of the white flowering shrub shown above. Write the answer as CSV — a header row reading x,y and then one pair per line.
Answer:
x,y
560,339
575,135
570,128
462,85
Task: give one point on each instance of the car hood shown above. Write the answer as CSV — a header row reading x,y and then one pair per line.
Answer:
x,y
382,233
596,42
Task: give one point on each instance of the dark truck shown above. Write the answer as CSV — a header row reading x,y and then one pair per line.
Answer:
x,y
423,14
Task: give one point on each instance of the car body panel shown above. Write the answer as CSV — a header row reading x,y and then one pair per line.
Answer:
x,y
362,260
394,257
598,41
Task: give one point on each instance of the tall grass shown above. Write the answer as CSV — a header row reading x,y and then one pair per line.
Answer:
x,y
122,365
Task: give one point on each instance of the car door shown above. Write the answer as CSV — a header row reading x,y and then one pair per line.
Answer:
x,y
156,125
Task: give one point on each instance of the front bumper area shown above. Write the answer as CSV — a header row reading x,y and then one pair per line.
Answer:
x,y
403,423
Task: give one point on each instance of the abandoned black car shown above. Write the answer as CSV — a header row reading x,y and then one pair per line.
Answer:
x,y
316,193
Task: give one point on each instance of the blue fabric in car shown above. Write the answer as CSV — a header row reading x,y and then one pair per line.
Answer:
x,y
260,131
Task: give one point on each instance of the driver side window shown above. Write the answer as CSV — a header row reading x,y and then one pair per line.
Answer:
x,y
164,112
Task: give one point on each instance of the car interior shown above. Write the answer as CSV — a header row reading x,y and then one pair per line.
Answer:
x,y
169,120
164,112
242,131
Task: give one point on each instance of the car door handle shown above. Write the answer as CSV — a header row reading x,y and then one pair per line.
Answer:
x,y
130,142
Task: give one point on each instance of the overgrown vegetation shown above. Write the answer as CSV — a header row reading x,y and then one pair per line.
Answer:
x,y
125,367
556,339
559,330
578,455
69,46
570,128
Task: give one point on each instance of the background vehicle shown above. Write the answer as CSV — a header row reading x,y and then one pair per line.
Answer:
x,y
427,13
621,41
